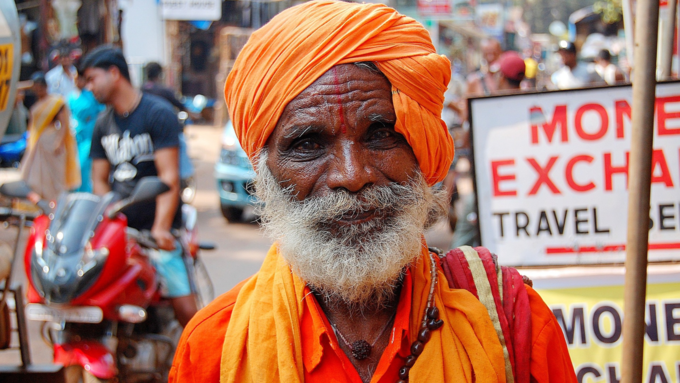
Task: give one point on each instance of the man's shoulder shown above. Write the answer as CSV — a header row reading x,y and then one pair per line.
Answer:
x,y
103,118
54,72
200,349
211,317
156,103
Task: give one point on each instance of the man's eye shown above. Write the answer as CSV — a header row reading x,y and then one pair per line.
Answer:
x,y
307,145
382,134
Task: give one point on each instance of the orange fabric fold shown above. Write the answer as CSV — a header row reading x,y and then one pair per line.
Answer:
x,y
263,341
300,44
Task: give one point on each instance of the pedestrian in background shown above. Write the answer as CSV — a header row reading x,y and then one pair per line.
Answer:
x,y
50,165
512,69
154,86
574,73
611,73
61,79
482,82
84,111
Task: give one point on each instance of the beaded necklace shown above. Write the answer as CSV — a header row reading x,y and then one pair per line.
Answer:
x,y
361,349
431,322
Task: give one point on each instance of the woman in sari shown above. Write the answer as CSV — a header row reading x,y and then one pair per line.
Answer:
x,y
50,165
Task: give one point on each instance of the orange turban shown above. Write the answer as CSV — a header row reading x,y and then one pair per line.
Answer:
x,y
300,44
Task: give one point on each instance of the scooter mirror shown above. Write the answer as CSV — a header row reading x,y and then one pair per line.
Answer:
x,y
147,189
16,189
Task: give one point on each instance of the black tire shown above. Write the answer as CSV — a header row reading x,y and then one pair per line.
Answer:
x,y
231,213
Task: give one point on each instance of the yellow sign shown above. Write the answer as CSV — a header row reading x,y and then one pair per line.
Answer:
x,y
6,61
591,318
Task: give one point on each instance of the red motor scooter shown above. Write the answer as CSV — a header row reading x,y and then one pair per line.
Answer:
x,y
92,283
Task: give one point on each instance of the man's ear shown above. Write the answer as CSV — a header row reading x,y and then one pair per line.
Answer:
x,y
114,72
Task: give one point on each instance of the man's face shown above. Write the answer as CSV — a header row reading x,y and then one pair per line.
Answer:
x,y
568,58
491,51
100,82
339,134
66,61
342,191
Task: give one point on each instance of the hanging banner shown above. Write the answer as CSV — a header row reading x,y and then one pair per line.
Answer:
x,y
490,19
210,10
434,7
551,173
588,304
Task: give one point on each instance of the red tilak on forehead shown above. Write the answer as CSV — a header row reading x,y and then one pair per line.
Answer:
x,y
343,128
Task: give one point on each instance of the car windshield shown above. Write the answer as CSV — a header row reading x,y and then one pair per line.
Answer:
x,y
76,217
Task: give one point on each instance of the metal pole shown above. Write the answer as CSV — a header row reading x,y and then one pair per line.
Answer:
x,y
668,41
639,180
628,28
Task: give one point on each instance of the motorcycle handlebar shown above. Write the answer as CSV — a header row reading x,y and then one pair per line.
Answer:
x,y
143,238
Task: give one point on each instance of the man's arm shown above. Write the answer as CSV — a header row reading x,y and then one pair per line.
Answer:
x,y
100,176
167,165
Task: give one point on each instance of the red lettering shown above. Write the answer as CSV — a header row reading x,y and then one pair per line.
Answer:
x,y
658,158
498,178
543,176
569,174
610,170
604,122
549,128
662,116
621,108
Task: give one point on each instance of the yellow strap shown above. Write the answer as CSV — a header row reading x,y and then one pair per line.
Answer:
x,y
486,297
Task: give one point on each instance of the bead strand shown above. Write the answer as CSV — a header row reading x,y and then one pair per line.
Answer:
x,y
431,322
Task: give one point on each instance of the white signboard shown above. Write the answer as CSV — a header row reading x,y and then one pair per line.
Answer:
x,y
191,9
551,175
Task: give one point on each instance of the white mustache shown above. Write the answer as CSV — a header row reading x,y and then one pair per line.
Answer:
x,y
356,263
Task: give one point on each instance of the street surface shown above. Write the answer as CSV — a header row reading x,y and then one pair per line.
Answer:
x,y
241,247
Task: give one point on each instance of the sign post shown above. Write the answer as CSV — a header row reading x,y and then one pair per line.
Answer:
x,y
635,288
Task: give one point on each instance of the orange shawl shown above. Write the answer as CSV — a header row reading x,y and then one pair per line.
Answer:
x,y
263,341
300,44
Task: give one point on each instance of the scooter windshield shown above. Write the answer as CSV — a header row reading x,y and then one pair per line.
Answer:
x,y
75,219
67,265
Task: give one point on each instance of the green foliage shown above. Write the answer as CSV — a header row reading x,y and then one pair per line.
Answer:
x,y
610,10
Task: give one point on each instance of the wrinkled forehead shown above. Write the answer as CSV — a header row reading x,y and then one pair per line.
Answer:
x,y
349,85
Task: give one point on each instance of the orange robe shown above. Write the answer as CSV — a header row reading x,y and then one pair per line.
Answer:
x,y
199,354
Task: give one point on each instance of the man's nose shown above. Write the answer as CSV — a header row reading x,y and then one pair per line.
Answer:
x,y
351,168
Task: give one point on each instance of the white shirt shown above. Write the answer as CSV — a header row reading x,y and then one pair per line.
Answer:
x,y
58,82
581,76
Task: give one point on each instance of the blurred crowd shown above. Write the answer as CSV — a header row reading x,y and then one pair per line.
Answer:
x,y
502,73
59,112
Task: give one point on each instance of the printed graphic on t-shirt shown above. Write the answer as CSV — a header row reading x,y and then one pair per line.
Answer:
x,y
127,152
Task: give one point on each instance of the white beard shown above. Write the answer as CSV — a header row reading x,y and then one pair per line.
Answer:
x,y
358,264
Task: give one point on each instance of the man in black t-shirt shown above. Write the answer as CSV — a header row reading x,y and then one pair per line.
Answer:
x,y
136,137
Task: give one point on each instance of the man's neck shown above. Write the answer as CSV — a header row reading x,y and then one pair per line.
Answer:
x,y
362,322
124,98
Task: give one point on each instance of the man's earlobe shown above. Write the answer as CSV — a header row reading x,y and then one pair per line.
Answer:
x,y
115,72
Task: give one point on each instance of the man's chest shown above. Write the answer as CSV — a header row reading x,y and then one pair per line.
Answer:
x,y
128,147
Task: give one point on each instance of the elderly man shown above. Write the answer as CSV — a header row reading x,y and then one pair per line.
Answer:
x,y
338,106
